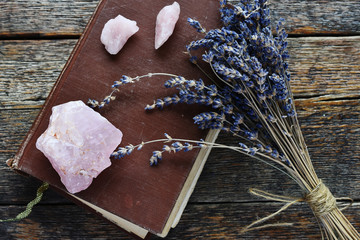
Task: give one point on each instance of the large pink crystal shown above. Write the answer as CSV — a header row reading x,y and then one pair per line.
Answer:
x,y
165,23
116,32
78,142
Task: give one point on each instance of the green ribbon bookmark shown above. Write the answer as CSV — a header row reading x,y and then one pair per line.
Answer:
x,y
30,205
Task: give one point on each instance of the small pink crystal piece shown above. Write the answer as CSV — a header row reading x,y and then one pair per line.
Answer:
x,y
78,142
165,23
116,32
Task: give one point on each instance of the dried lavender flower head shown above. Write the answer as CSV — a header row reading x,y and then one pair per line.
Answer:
x,y
251,96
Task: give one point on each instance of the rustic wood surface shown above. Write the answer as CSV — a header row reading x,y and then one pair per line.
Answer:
x,y
36,38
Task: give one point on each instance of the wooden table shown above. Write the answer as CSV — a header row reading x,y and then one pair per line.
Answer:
x,y
36,38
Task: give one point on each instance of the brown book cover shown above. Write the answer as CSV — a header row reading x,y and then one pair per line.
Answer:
x,y
130,193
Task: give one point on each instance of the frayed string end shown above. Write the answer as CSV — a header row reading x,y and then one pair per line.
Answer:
x,y
320,199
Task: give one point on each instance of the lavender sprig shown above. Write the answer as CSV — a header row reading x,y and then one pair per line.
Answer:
x,y
122,81
174,145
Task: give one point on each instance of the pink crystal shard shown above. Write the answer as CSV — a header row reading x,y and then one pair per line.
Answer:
x,y
78,142
116,32
165,23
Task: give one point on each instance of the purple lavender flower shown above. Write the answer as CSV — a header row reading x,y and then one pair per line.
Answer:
x,y
252,98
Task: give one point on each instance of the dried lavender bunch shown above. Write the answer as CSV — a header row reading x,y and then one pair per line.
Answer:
x,y
251,99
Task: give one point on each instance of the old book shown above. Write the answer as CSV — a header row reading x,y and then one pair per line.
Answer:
x,y
136,197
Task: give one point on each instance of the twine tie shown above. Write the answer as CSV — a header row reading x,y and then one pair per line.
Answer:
x,y
321,200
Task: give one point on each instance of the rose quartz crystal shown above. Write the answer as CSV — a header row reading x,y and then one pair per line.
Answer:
x,y
165,23
78,142
116,32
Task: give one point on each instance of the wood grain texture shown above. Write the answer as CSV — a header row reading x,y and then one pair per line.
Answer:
x,y
68,18
224,221
45,18
199,221
318,17
329,111
327,67
29,69
325,73
331,130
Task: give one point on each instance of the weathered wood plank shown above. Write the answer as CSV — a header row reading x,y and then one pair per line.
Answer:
x,y
27,79
29,69
331,130
318,17
329,110
13,126
55,18
16,189
320,66
325,66
326,73
45,18
224,221
199,221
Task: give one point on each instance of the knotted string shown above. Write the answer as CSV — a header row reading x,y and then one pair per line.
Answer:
x,y
30,205
320,199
